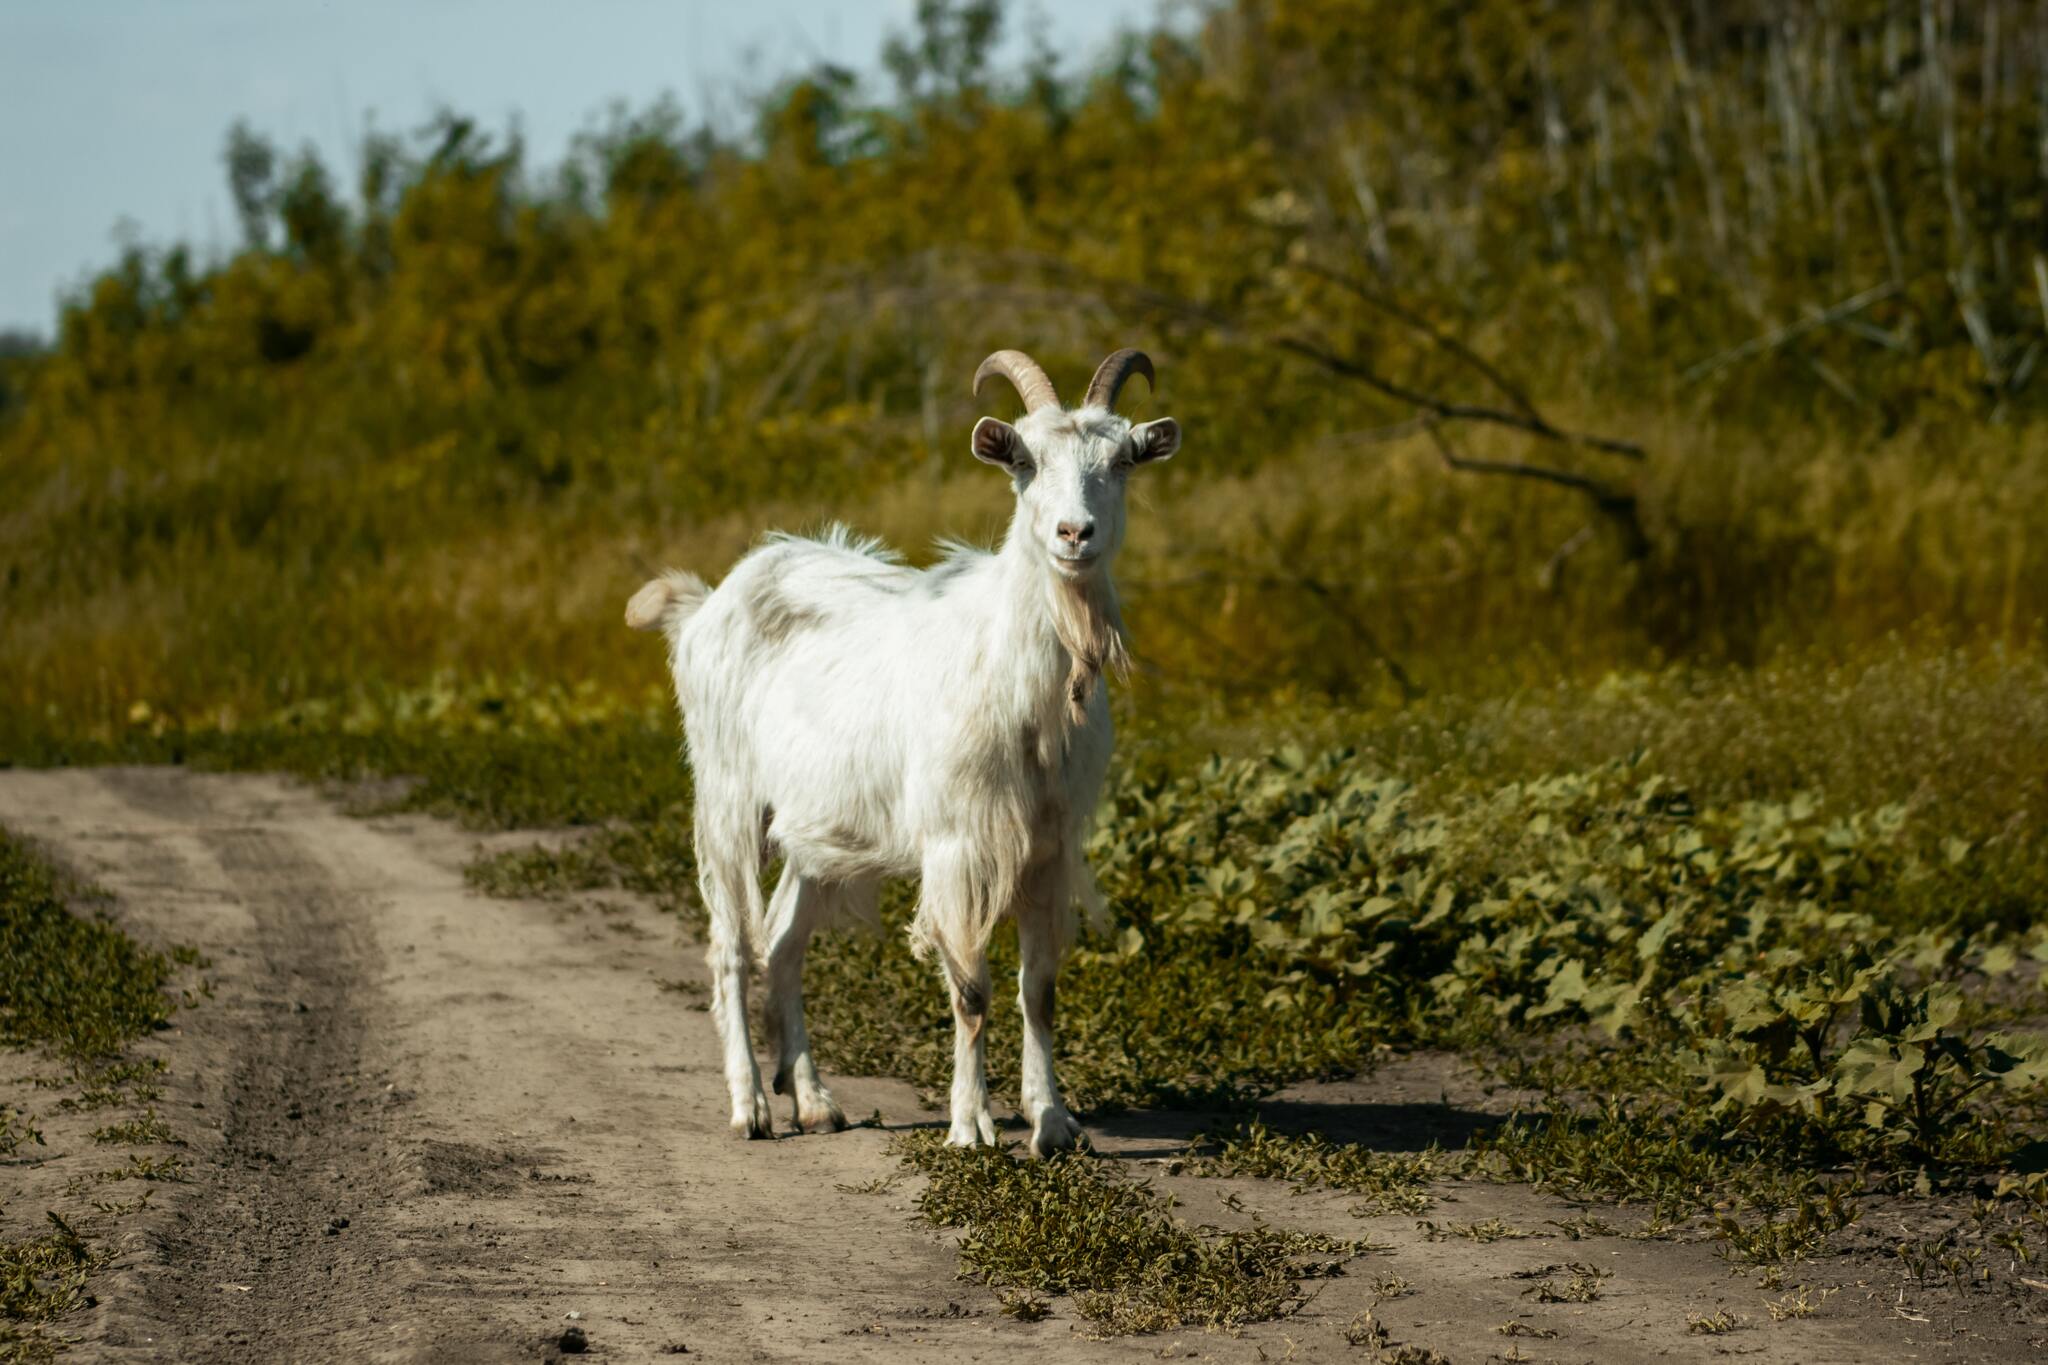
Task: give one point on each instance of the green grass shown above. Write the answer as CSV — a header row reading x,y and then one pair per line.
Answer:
x,y
16,1129
1075,1226
78,989
1385,1182
70,983
148,1127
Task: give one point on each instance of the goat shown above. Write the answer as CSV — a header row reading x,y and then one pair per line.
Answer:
x,y
868,720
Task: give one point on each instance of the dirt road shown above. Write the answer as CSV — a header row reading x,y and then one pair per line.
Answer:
x,y
423,1125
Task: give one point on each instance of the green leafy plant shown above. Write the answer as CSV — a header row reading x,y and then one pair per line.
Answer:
x,y
1071,1226
1387,1182
1801,1233
1914,1072
41,1279
68,982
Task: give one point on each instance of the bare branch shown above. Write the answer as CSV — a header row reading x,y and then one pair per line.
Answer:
x,y
1963,284
1524,418
1435,336
1617,505
1791,331
1547,576
1445,410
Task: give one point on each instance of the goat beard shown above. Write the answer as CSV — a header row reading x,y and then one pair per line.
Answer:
x,y
1090,625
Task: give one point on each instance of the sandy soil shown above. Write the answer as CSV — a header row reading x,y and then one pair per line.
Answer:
x,y
424,1125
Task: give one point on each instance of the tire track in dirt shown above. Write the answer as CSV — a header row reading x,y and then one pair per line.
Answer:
x,y
290,1131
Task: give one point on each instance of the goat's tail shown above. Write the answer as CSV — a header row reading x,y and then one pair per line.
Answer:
x,y
666,602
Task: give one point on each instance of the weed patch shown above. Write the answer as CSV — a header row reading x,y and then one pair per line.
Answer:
x,y
17,1128
138,1167
143,1130
1386,1287
73,984
1800,1233
41,1279
1801,1303
1386,1182
101,1085
1712,1324
1482,1231
1515,1328
80,990
1582,1286
1071,1226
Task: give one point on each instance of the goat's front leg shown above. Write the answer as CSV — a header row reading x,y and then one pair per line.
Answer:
x,y
946,922
1041,939
972,1120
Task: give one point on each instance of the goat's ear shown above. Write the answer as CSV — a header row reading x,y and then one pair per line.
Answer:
x,y
998,443
1154,440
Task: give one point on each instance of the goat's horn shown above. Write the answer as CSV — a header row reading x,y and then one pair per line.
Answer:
x,y
1025,376
1111,374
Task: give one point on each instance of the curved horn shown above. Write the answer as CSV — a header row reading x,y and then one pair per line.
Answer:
x,y
1111,374
1024,375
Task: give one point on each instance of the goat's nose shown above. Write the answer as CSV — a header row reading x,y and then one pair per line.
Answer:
x,y
1077,532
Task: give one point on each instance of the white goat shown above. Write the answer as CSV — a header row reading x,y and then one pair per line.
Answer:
x,y
868,720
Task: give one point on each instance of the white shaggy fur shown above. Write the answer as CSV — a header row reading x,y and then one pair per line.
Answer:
x,y
868,720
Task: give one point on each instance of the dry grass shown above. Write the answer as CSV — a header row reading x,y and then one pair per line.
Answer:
x,y
1301,581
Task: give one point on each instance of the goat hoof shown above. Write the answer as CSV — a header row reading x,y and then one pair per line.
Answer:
x,y
972,1130
820,1115
1056,1131
755,1120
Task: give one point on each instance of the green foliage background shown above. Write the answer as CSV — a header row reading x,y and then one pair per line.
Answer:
x,y
443,410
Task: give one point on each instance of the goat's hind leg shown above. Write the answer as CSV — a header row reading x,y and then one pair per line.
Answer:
x,y
729,877
800,905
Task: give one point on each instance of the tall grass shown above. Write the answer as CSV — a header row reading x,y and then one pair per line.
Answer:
x,y
224,589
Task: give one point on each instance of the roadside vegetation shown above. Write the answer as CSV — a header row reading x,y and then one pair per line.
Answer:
x,y
77,990
1074,1226
1739,1005
1595,630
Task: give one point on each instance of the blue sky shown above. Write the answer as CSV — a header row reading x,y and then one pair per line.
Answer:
x,y
115,110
